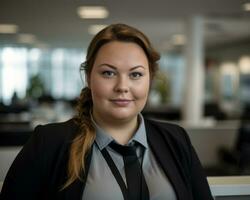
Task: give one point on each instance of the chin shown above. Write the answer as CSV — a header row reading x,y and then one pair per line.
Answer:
x,y
123,116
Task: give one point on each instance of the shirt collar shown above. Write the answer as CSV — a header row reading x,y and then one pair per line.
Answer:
x,y
103,138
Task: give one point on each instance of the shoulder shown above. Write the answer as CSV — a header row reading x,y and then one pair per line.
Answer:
x,y
43,159
55,134
51,142
169,132
172,137
166,128
59,129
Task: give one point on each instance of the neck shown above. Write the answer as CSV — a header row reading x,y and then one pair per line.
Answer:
x,y
121,131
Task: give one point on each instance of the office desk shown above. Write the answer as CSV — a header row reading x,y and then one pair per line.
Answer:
x,y
230,187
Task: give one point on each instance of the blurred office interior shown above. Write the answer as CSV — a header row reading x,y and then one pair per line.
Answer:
x,y
203,83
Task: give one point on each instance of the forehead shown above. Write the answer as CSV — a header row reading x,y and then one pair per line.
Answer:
x,y
119,53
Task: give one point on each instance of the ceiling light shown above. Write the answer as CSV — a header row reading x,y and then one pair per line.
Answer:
x,y
8,28
179,39
26,38
246,6
92,12
228,68
244,64
94,29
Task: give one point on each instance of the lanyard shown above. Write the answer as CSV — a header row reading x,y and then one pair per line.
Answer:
x,y
120,180
116,173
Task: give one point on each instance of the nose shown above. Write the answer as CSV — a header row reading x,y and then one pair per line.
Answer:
x,y
122,85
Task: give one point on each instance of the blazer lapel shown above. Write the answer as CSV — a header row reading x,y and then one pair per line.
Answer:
x,y
164,155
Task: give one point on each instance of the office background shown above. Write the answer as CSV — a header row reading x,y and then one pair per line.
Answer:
x,y
203,83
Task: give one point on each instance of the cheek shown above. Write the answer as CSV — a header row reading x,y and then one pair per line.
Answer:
x,y
141,90
99,87
98,90
95,86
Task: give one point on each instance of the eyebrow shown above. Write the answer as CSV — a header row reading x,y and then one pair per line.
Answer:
x,y
113,67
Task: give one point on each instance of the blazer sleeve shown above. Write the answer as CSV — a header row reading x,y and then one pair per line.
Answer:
x,y
197,176
25,178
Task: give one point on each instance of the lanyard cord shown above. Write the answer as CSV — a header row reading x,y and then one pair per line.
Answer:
x,y
144,195
115,172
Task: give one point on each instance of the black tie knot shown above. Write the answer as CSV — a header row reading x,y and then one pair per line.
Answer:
x,y
123,150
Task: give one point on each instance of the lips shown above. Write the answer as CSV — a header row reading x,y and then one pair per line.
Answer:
x,y
121,102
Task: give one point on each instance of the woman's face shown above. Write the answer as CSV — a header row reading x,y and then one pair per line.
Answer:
x,y
119,81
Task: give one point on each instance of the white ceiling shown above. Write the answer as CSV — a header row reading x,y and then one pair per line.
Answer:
x,y
55,22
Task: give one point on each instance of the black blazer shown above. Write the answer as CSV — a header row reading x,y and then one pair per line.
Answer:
x,y
40,169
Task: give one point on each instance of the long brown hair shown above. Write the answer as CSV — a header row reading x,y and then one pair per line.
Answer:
x,y
83,141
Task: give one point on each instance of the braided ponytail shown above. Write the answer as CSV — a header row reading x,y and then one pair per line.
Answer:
x,y
83,141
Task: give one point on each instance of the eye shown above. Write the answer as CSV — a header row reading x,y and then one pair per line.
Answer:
x,y
136,75
108,74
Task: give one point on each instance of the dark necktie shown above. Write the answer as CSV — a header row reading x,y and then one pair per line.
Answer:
x,y
136,185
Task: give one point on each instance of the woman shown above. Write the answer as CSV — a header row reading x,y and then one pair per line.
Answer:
x,y
109,151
